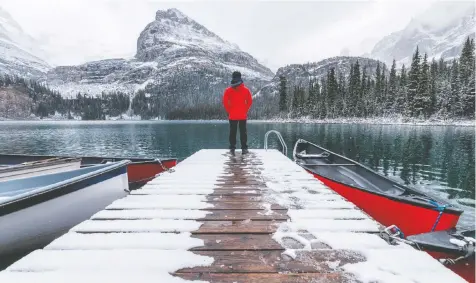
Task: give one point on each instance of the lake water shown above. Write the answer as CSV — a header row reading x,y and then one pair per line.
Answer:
x,y
439,159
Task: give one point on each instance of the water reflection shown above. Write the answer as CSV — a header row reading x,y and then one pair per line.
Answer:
x,y
439,159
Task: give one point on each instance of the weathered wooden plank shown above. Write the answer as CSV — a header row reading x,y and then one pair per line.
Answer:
x,y
235,198
238,191
238,227
247,164
275,261
246,214
245,177
177,191
239,188
334,277
241,183
240,206
237,242
190,214
234,173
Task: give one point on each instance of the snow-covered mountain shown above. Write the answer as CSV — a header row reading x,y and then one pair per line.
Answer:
x,y
299,74
18,52
440,32
178,61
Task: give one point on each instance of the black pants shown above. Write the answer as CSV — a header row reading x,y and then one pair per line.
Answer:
x,y
243,135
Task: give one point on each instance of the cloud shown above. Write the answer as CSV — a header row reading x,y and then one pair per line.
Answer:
x,y
279,33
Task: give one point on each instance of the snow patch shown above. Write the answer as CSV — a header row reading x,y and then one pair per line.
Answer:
x,y
457,242
109,260
150,225
184,214
114,241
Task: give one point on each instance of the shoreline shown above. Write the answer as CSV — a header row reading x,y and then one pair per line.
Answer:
x,y
377,121
363,121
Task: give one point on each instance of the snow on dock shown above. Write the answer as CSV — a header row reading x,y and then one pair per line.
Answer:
x,y
217,218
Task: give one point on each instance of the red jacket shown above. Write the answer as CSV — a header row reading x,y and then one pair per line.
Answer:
x,y
237,101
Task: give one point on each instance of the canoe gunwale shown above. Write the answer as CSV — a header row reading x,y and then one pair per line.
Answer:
x,y
449,210
55,187
38,165
99,158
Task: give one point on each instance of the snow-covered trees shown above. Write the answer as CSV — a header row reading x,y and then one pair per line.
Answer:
x,y
466,72
347,87
444,89
282,94
21,98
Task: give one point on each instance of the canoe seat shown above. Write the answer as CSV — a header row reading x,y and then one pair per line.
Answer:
x,y
311,156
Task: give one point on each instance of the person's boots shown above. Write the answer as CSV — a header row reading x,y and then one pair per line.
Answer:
x,y
245,151
232,152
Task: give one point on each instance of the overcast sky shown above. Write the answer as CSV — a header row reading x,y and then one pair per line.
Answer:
x,y
275,32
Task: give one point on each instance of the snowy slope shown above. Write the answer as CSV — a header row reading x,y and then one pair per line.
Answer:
x,y
177,59
440,31
18,51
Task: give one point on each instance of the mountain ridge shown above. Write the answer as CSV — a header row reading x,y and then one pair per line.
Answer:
x,y
18,52
440,32
178,62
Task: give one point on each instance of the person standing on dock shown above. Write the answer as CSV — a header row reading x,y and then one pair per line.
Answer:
x,y
237,102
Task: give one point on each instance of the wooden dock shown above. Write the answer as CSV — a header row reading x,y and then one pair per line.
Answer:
x,y
217,218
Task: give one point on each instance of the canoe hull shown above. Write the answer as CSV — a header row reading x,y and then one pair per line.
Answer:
x,y
139,173
411,219
36,225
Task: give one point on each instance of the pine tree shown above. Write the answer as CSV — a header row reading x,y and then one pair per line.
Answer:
x,y
369,101
312,97
433,87
422,99
351,90
298,101
466,73
323,109
360,105
378,91
342,105
139,104
402,92
294,102
466,62
455,99
392,89
282,94
441,66
443,90
332,93
354,90
413,83
317,105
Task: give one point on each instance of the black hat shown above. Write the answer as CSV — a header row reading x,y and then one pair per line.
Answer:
x,y
236,75
236,78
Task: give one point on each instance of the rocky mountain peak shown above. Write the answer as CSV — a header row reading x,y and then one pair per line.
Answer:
x,y
179,63
440,32
173,31
172,13
19,53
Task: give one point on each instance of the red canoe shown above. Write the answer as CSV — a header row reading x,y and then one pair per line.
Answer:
x,y
139,171
385,200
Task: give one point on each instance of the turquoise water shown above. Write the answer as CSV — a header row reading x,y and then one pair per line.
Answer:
x,y
439,159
